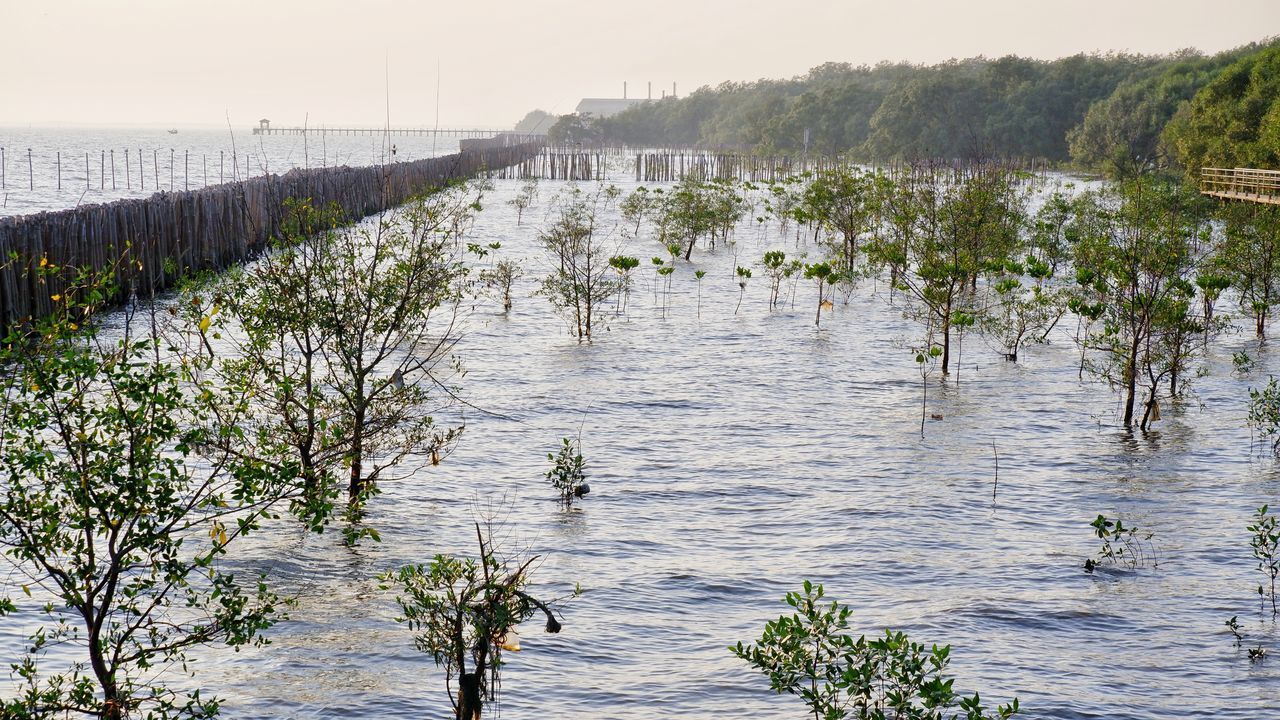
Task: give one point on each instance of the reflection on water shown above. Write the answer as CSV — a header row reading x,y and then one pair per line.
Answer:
x,y
731,457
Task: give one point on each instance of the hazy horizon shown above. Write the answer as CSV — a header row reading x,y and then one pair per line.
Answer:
x,y
150,63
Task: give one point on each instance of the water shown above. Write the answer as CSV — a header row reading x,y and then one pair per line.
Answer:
x,y
188,160
733,456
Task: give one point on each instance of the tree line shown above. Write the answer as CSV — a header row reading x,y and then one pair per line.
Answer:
x,y
1118,113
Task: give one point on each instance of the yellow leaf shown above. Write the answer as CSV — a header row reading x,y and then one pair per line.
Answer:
x,y
44,262
26,590
55,298
204,323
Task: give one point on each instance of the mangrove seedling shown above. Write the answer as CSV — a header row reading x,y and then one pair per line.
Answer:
x,y
744,274
464,614
1234,626
624,264
926,361
499,279
1266,550
810,654
1121,545
820,273
568,472
524,198
775,264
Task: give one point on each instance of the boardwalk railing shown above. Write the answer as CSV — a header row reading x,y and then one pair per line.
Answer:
x,y
1241,184
153,242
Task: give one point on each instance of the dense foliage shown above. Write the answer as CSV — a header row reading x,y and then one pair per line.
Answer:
x,y
1108,112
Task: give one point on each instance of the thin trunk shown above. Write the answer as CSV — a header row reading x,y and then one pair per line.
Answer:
x,y
355,485
1131,380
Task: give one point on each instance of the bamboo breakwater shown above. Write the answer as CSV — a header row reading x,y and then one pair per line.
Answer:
x,y
674,166
151,243
557,163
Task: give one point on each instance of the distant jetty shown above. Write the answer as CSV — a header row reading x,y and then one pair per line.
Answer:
x,y
265,128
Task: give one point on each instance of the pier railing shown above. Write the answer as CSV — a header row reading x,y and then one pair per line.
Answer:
x,y
150,243
1241,184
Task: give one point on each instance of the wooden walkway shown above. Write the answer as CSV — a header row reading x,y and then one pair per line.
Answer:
x,y
1248,184
320,130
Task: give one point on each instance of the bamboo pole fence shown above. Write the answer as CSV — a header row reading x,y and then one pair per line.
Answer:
x,y
153,242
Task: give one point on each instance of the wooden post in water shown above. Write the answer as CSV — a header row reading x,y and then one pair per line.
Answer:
x,y
2,179
155,166
204,163
59,170
186,169
222,162
128,181
113,169
86,171
102,172
31,174
142,176
170,169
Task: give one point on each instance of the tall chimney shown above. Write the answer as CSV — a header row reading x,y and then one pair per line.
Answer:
x,y
650,89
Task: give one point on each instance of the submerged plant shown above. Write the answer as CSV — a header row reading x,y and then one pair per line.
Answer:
x,y
1264,412
1266,550
744,274
568,471
1121,545
1234,626
811,655
464,613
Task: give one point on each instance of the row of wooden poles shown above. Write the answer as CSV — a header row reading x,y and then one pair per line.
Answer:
x,y
558,163
128,169
150,243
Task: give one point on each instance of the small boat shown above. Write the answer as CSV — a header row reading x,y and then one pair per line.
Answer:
x,y
173,132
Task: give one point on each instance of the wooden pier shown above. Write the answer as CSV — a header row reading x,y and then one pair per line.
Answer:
x,y
266,129
1247,184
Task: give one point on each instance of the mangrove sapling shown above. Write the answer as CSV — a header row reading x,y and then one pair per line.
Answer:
x,y
1133,259
1266,550
1233,625
1121,545
464,613
821,274
499,280
1241,362
744,274
639,205
943,232
117,505
1250,258
926,361
1022,314
581,280
624,264
568,473
811,654
1264,412
345,335
845,201
775,264
666,272
699,276
524,198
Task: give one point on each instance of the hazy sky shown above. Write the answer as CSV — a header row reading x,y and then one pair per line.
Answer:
x,y
193,62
